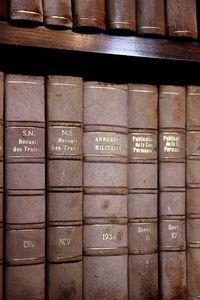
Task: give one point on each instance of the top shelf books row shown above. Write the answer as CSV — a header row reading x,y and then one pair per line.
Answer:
x,y
170,19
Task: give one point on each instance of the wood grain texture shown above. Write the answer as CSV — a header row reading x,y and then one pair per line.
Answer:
x,y
130,46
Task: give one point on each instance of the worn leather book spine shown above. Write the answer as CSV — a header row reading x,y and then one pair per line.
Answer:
x,y
58,13
26,10
3,9
121,15
142,191
1,178
172,239
181,18
64,204
24,187
89,15
151,17
105,191
193,190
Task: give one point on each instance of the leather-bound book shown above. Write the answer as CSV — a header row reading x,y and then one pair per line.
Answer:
x,y
121,15
64,202
89,15
142,191
26,10
172,239
58,13
105,191
24,187
193,190
181,18
150,17
1,180
3,9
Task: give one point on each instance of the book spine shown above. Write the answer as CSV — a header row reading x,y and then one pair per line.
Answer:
x,y
58,13
121,15
172,240
3,9
142,191
64,205
105,191
151,17
24,187
1,179
89,14
181,18
193,190
23,10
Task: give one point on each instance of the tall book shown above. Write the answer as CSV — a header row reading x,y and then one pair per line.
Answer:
x,y
172,239
193,190
89,15
181,18
26,10
58,13
151,17
121,15
3,9
142,191
1,179
24,187
64,203
105,191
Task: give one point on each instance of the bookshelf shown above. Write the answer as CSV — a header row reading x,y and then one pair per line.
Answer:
x,y
41,51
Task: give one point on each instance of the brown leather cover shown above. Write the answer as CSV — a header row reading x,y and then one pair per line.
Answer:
x,y
121,15
105,191
151,17
142,189
173,275
140,266
25,282
89,14
65,281
25,10
3,9
181,18
25,184
1,282
58,13
193,190
172,242
105,277
64,204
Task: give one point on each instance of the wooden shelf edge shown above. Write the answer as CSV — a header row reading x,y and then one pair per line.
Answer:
x,y
131,46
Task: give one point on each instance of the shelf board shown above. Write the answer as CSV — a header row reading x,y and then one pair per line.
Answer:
x,y
131,46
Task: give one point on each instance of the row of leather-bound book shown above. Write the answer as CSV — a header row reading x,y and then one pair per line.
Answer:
x,y
153,17
97,181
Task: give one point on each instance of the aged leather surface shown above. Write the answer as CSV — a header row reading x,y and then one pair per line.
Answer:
x,y
151,17
90,14
121,15
58,13
181,18
26,10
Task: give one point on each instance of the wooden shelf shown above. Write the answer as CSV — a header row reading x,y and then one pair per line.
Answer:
x,y
130,46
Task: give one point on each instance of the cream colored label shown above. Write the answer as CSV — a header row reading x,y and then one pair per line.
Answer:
x,y
64,241
142,143
25,142
29,244
105,143
65,140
